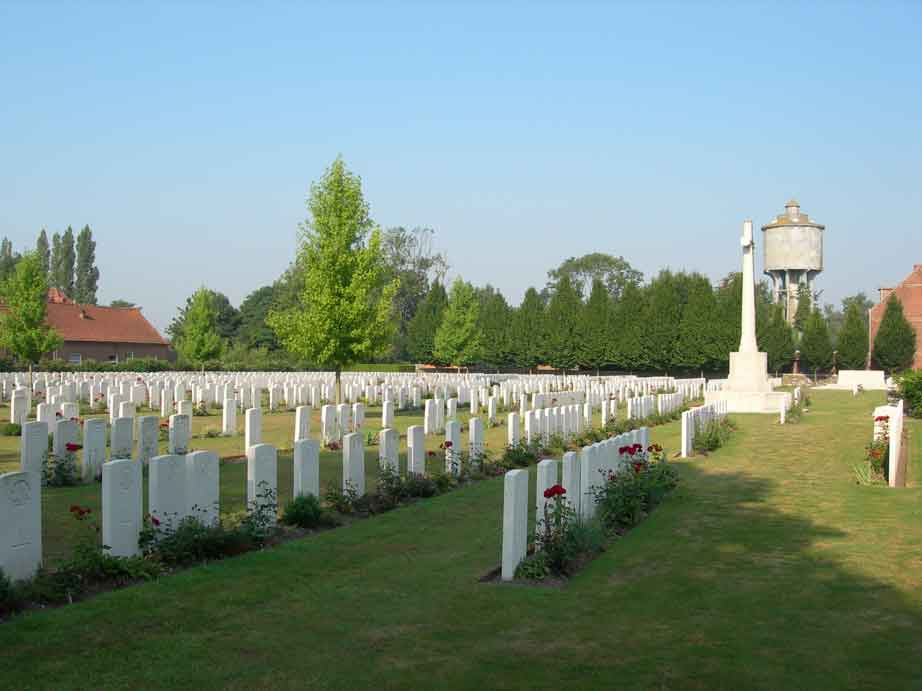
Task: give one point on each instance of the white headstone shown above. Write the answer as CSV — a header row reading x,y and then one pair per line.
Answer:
x,y
262,477
167,489
94,448
229,417
453,447
306,468
515,521
512,429
388,448
203,482
416,450
475,439
148,438
20,525
34,447
387,414
547,478
121,506
354,462
180,431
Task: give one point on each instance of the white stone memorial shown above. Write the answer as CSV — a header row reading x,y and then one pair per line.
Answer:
x,y
122,489
306,468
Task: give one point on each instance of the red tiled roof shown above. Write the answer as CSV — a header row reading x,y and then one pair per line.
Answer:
x,y
102,324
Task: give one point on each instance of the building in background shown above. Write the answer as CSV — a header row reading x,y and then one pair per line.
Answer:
x,y
103,334
793,249
909,292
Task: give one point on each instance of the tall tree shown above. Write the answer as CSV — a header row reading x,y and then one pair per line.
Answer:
x,y
595,331
662,319
728,325
630,347
563,325
43,250
24,294
777,340
696,344
424,324
815,345
86,277
495,317
853,339
8,259
411,260
804,308
253,331
63,259
54,270
199,341
895,342
343,312
458,340
227,317
529,332
614,272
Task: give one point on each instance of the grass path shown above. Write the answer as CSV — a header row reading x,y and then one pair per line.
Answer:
x,y
768,568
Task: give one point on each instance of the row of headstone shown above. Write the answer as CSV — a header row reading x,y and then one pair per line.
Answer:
x,y
640,407
667,403
580,473
695,419
543,423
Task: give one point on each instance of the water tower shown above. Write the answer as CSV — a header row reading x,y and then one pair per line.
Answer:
x,y
793,255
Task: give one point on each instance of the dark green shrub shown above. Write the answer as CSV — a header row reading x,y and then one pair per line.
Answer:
x,y
630,494
341,501
306,512
911,390
192,541
10,429
60,471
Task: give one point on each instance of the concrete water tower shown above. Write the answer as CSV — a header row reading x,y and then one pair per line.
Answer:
x,y
793,255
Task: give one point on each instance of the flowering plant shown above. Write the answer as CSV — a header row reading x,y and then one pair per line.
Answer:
x,y
553,530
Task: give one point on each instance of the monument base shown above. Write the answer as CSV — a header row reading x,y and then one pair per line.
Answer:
x,y
748,401
749,372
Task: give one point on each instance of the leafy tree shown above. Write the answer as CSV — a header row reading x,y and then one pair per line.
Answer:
x,y
495,317
87,275
424,324
121,304
458,340
630,347
562,325
24,294
696,343
8,259
596,318
895,342
253,332
777,340
728,324
344,310
43,250
199,341
614,272
227,317
662,318
835,318
804,308
853,339
63,266
815,345
529,331
410,260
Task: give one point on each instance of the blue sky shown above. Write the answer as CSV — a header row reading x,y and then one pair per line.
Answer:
x,y
523,133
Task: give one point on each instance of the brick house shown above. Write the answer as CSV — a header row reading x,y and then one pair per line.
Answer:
x,y
909,292
103,334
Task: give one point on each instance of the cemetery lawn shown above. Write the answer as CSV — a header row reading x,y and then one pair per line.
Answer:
x,y
768,568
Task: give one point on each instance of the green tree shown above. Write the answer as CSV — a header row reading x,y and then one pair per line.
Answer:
x,y
253,332
662,318
227,317
629,342
410,260
815,345
614,272
528,331
777,340
804,308
495,317
86,277
853,339
43,250
728,324
895,342
8,259
122,304
563,325
199,341
23,330
695,346
424,324
63,259
458,340
596,318
344,310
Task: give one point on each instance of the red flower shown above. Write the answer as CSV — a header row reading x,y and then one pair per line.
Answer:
x,y
71,447
58,414
74,508
430,454
448,445
554,491
623,450
637,448
881,418
655,448
638,467
155,521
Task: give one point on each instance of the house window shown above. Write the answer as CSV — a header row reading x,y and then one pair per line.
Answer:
x,y
129,356
75,358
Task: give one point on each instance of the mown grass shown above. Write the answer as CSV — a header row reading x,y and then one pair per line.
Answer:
x,y
768,568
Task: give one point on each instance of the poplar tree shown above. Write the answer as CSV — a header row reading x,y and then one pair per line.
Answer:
x,y
595,332
422,327
629,342
895,342
804,308
458,339
853,339
63,259
662,318
43,250
494,327
777,340
343,309
7,259
86,279
562,325
815,344
23,331
528,331
696,344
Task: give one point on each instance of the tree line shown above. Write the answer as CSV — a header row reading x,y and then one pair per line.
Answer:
x,y
68,262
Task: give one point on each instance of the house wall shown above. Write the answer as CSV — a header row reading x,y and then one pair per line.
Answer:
x,y
112,352
910,294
